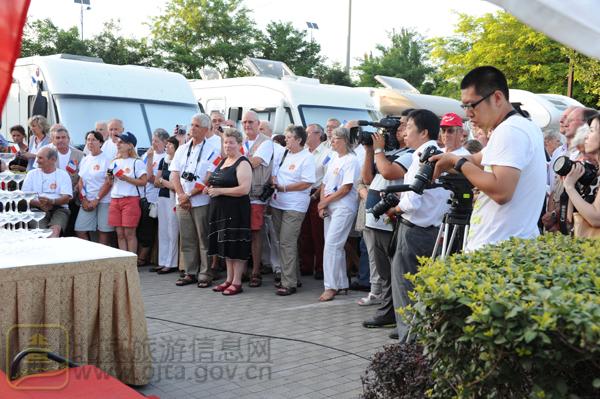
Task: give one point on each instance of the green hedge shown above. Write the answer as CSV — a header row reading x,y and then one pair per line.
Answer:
x,y
516,320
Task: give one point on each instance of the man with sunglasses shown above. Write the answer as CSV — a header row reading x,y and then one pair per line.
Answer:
x,y
509,172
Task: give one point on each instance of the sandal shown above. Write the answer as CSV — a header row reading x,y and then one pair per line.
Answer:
x,y
327,295
369,300
204,283
233,289
285,291
221,287
255,281
186,280
165,270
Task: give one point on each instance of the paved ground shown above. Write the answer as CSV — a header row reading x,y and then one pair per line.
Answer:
x,y
206,345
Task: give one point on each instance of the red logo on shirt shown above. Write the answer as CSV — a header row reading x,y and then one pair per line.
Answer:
x,y
96,167
52,186
292,167
126,170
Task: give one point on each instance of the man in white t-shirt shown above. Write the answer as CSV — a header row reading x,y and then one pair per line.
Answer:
x,y
115,128
191,166
510,172
54,190
258,148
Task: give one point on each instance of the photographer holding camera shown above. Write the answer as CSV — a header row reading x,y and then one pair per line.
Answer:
x,y
510,172
420,214
381,170
587,218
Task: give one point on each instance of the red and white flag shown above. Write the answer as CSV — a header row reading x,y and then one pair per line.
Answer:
x,y
13,14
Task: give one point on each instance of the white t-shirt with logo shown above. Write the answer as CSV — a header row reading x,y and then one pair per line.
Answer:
x,y
121,188
109,148
182,163
50,185
518,143
151,190
92,172
341,171
278,151
296,168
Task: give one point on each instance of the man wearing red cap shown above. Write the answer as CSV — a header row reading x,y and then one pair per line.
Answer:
x,y
452,134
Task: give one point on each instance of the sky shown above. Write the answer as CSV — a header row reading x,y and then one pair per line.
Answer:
x,y
372,20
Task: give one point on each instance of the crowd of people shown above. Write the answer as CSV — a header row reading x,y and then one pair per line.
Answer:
x,y
247,199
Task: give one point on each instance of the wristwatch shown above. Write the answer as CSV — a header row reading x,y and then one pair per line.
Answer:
x,y
378,150
459,164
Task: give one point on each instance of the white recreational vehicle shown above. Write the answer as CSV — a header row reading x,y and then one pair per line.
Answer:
x,y
397,95
78,91
282,98
545,110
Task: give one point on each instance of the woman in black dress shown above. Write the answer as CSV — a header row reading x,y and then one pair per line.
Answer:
x,y
229,212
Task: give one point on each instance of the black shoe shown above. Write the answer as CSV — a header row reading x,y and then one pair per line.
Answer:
x,y
355,286
394,335
299,284
374,323
318,275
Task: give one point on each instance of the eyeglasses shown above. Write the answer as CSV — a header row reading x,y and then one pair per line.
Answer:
x,y
471,106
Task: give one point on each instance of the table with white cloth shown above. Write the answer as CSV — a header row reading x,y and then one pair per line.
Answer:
x,y
77,298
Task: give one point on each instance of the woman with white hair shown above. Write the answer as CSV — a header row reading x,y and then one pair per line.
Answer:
x,y
338,206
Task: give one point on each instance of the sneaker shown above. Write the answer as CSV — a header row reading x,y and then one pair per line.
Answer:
x,y
369,300
394,335
375,323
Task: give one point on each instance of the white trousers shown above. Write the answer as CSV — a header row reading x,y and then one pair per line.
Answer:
x,y
337,226
168,232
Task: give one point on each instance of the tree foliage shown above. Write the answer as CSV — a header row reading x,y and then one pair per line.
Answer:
x,y
284,43
42,37
529,59
335,75
404,58
191,34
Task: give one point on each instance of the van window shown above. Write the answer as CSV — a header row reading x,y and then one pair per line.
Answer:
x,y
320,114
79,115
268,114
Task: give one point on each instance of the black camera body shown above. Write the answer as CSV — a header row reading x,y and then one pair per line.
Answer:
x,y
109,172
388,201
180,129
425,172
188,176
267,192
387,125
563,165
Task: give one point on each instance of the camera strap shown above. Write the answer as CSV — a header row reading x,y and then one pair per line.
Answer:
x,y
199,155
136,187
283,157
511,113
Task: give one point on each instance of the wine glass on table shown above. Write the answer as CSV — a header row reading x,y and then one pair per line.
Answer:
x,y
18,179
38,216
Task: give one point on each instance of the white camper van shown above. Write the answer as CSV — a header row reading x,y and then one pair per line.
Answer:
x,y
78,91
397,95
282,98
545,110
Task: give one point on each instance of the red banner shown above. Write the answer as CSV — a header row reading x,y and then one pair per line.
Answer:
x,y
13,14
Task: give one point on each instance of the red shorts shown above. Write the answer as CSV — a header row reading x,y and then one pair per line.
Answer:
x,y
124,212
257,216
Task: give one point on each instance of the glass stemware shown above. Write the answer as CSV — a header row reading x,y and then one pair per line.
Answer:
x,y
7,157
38,216
28,196
18,178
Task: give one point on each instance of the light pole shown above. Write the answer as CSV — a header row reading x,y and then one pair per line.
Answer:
x,y
349,30
312,26
82,3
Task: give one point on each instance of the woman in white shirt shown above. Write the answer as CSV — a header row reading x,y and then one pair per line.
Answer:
x,y
39,128
127,173
94,189
292,178
338,206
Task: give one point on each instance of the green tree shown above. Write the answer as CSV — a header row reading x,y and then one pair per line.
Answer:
x,y
192,34
42,37
335,75
529,59
284,43
405,58
115,49
587,73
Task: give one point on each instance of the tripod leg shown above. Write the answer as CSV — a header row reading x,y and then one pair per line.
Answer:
x,y
437,241
451,242
445,243
465,237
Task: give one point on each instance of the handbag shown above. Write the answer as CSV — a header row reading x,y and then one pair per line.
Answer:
x,y
144,204
583,229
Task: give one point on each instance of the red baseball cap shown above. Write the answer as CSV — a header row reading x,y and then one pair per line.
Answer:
x,y
451,119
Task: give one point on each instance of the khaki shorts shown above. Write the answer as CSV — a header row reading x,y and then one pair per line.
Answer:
x,y
58,216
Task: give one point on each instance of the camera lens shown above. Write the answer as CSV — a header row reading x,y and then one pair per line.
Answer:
x,y
562,166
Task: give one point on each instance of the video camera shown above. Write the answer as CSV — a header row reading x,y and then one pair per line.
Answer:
x,y
387,126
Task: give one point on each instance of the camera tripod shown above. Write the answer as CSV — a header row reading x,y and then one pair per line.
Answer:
x,y
455,229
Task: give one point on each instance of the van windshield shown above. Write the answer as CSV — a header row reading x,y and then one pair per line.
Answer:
x,y
80,114
320,114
